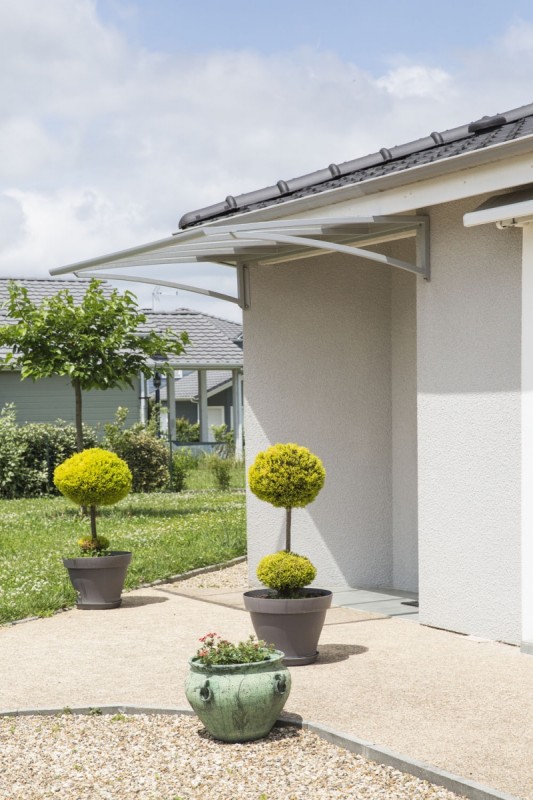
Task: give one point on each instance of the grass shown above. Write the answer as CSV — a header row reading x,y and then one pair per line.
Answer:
x,y
203,477
167,533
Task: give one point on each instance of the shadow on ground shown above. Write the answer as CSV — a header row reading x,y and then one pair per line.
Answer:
x,y
331,653
135,602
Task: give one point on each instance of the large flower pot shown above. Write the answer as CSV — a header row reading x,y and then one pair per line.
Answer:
x,y
293,626
99,580
238,702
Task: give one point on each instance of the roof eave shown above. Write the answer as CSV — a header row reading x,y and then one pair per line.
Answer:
x,y
393,180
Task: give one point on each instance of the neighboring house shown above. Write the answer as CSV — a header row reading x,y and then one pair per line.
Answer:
x,y
215,349
52,398
388,315
219,386
216,344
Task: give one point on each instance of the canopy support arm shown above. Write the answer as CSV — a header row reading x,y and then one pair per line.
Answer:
x,y
158,282
338,248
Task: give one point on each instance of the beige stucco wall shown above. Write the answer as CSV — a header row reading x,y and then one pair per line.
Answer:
x,y
404,431
468,348
318,372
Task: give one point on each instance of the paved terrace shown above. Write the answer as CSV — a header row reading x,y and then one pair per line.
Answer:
x,y
454,702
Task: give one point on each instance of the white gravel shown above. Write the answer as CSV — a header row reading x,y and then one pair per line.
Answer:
x,y
163,757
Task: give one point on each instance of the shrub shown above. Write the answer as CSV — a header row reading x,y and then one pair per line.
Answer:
x,y
180,470
145,455
29,453
222,469
46,446
286,573
187,431
12,452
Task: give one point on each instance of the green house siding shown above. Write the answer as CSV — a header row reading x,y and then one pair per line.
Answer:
x,y
50,399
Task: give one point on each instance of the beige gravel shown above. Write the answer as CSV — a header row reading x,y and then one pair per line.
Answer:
x,y
462,705
172,758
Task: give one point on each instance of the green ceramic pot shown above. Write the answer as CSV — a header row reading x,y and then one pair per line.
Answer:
x,y
238,702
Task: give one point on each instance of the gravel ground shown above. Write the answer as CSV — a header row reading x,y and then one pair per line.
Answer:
x,y
234,578
162,757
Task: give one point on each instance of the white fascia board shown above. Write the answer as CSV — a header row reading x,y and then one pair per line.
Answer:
x,y
506,212
177,363
492,169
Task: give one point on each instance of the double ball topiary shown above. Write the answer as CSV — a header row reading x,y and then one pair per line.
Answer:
x,y
94,477
287,476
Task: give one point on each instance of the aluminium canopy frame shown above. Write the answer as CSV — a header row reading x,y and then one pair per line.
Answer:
x,y
238,245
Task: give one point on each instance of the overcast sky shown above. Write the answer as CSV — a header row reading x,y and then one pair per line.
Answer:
x,y
118,116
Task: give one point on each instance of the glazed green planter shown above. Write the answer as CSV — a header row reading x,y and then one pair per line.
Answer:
x,y
238,702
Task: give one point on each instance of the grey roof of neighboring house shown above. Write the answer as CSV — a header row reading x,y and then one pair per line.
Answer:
x,y
186,388
215,342
39,289
500,128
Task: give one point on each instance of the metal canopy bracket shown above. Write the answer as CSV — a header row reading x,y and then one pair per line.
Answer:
x,y
238,245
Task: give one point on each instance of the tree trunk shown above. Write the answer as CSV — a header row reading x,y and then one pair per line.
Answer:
x,y
288,530
93,522
79,426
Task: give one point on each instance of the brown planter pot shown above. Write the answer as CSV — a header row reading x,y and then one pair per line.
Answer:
x,y
293,626
99,580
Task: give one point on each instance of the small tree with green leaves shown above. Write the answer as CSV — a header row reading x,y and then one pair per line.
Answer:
x,y
92,478
96,344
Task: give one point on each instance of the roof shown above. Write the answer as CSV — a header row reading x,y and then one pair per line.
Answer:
x,y
215,342
186,388
438,146
39,289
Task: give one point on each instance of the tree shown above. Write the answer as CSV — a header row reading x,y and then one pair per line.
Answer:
x,y
96,343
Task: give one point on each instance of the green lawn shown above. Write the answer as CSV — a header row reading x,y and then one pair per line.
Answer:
x,y
167,533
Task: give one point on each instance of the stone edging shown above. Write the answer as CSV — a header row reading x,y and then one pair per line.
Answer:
x,y
369,750
184,576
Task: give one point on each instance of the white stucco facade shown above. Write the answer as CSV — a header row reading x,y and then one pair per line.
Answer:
x,y
417,394
410,392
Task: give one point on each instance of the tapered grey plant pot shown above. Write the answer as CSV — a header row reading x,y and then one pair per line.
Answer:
x,y
293,626
99,580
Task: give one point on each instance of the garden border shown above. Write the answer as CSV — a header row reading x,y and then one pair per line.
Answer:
x,y
183,576
369,750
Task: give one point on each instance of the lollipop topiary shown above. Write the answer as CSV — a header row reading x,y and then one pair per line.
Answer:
x,y
92,478
287,476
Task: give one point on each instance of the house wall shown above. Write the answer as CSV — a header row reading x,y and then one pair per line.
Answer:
x,y
318,372
52,398
189,410
404,430
468,352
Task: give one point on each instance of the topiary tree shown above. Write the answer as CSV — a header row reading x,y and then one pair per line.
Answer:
x,y
92,478
287,476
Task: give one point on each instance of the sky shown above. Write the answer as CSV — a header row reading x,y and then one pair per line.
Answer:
x,y
119,116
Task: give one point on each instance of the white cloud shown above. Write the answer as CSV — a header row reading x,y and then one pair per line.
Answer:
x,y
105,145
415,81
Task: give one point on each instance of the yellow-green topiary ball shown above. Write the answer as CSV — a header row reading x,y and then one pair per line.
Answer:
x,y
94,477
287,476
286,573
